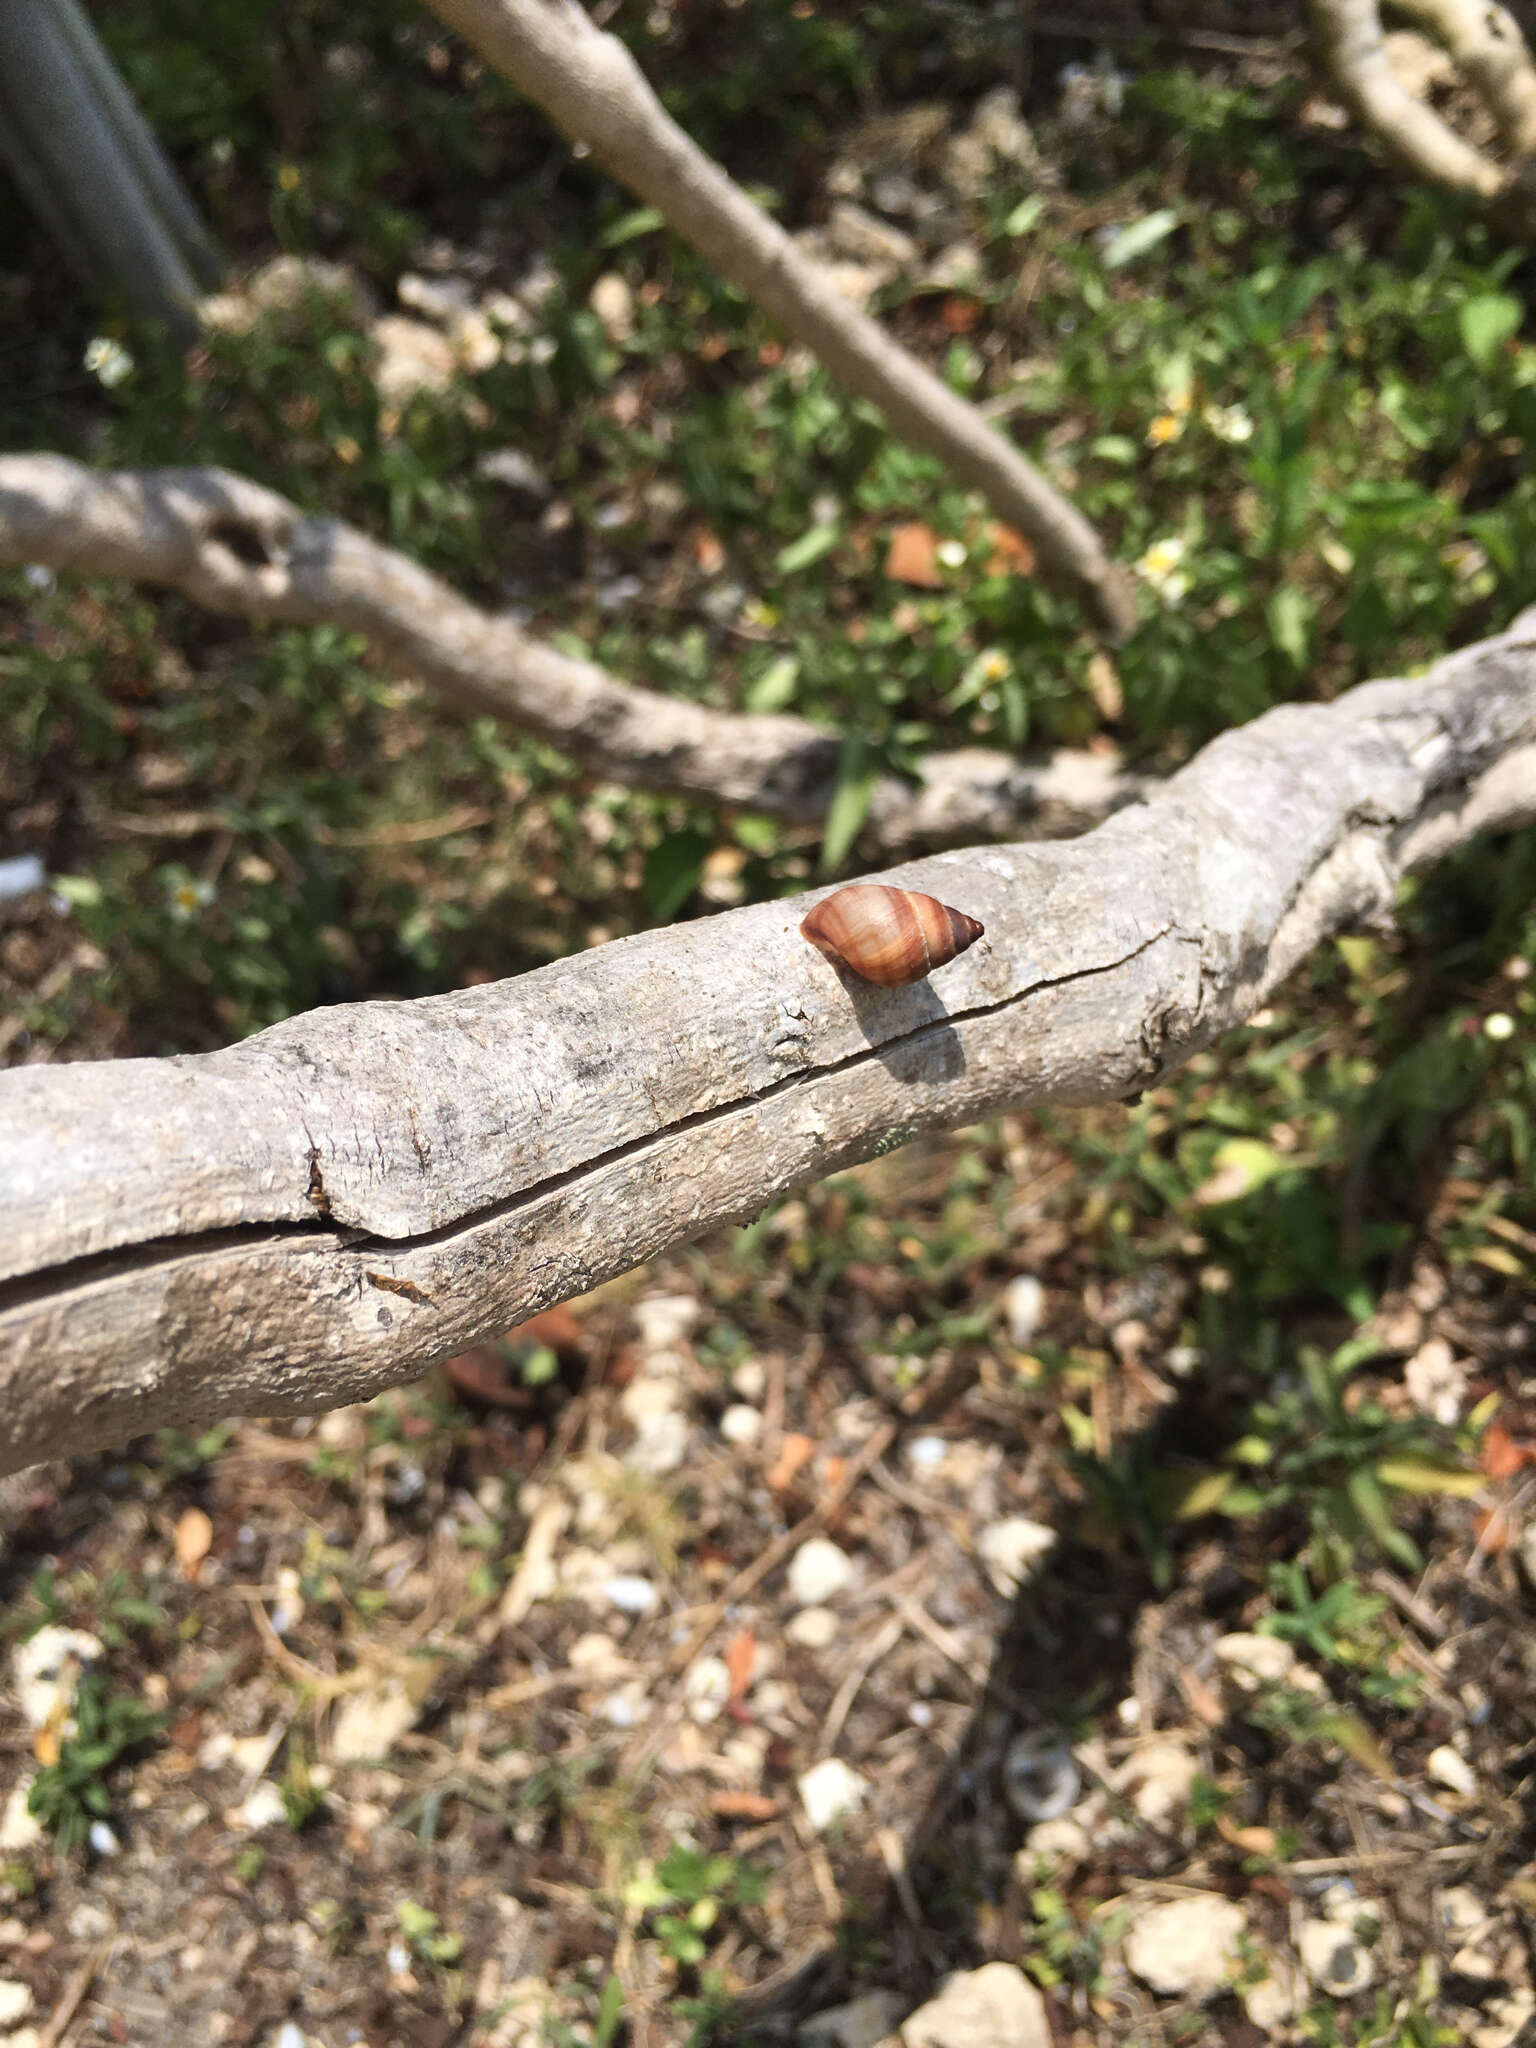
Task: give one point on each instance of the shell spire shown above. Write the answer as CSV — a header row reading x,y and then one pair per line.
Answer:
x,y
888,936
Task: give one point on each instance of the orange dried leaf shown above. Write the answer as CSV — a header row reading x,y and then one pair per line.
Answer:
x,y
193,1535
1503,1455
793,1454
913,556
1012,554
708,554
959,315
556,1327
740,1655
743,1805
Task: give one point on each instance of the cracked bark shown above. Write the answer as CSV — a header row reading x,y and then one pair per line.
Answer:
x,y
331,1206
236,547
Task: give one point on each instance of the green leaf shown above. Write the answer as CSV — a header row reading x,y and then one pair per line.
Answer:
x,y
610,2012
1139,236
1425,1474
1240,1166
644,220
1025,215
673,868
1290,618
815,542
849,807
775,687
1370,1504
1486,323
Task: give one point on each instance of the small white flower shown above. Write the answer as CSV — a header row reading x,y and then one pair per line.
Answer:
x,y
1161,566
108,361
1229,422
1499,1025
188,898
952,553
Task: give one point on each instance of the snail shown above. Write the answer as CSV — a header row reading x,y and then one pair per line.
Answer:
x,y
888,936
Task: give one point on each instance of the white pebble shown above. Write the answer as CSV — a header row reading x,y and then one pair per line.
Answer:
x,y
926,1453
103,1841
1011,1549
750,1379
1023,1307
741,1424
818,1572
815,1628
707,1688
629,1593
1333,1959
1448,1767
830,1791
15,1999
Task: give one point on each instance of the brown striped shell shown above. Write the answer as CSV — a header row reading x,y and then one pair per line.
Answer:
x,y
888,936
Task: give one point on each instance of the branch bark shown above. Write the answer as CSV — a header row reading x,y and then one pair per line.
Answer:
x,y
595,93
328,1208
233,546
1485,43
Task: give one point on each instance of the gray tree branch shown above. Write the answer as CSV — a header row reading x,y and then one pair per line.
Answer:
x,y
234,546
595,93
329,1207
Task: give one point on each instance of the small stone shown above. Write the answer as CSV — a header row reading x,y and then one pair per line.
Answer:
x,y
1437,1385
1186,1948
1011,1549
19,1829
815,1628
1158,1780
750,1379
264,1808
369,1724
818,1572
413,357
46,1667
1504,2021
862,2023
629,1593
627,1707
614,304
1277,1999
514,471
925,1454
1251,1661
15,2000
830,1791
289,2036
993,2007
663,1320
1041,1780
1449,1768
1023,1307
741,1424
102,1840
862,238
1462,1912
1333,1959
660,1445
706,1688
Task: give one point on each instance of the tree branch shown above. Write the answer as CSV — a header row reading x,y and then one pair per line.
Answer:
x,y
233,546
593,91
1483,41
329,1207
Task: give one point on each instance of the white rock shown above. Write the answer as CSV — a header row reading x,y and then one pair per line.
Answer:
x,y
24,2037
627,1707
664,1319
862,2023
993,2007
614,304
814,1627
630,1593
264,1808
1462,1912
1186,1948
102,1840
413,357
1448,1767
1065,1840
1333,1959
1023,1306
706,1688
660,1445
1011,1549
369,1724
597,1655
1251,1661
19,1829
1504,2021
1158,1780
46,1667
1041,1780
750,1379
649,1395
1276,1999
862,238
15,1999
741,1424
818,1572
925,1454
289,2036
1437,1385
830,1791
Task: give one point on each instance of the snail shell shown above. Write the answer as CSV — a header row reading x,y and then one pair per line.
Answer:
x,y
888,936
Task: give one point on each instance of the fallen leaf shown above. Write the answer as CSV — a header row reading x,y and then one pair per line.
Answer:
x,y
1502,1454
959,315
913,556
708,554
740,1655
1492,1530
483,1374
1012,554
194,1533
743,1805
793,1454
1254,1841
557,1327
